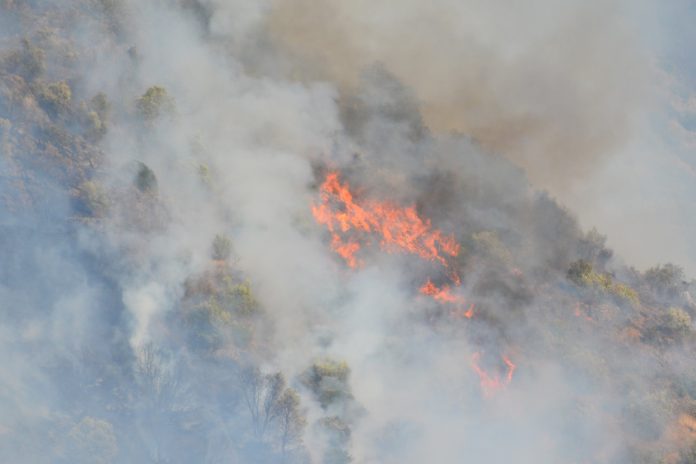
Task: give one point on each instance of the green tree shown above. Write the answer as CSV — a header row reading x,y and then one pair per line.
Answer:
x,y
97,116
291,419
272,406
328,380
666,281
579,271
338,436
145,179
592,248
582,274
670,327
55,97
28,62
677,322
159,383
154,103
222,247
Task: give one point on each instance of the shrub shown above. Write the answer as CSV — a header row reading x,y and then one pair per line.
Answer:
x,y
677,322
338,435
29,62
55,98
670,327
592,248
579,271
154,103
665,281
582,274
328,380
242,295
145,180
100,104
272,406
625,292
291,418
331,368
97,116
94,198
222,248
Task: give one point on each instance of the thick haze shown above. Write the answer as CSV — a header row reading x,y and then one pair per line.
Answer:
x,y
128,335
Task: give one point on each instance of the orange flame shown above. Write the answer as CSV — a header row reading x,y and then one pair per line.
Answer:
x,y
492,383
444,295
352,222
399,229
470,312
511,367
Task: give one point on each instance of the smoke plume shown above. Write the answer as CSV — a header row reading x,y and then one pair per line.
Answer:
x,y
293,232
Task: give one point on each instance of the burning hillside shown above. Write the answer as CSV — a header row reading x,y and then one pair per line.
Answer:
x,y
298,232
398,229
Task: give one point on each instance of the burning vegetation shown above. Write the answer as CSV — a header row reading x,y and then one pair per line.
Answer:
x,y
352,226
396,228
179,285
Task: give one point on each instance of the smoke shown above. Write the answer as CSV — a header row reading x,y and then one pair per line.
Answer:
x,y
574,92
178,301
545,85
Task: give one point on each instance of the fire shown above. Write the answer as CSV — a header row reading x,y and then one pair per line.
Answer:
x,y
354,222
492,383
444,295
511,369
469,312
398,228
346,250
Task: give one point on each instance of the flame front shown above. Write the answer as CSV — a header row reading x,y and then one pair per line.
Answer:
x,y
398,228
354,223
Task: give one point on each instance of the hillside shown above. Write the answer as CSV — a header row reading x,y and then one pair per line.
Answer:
x,y
211,252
